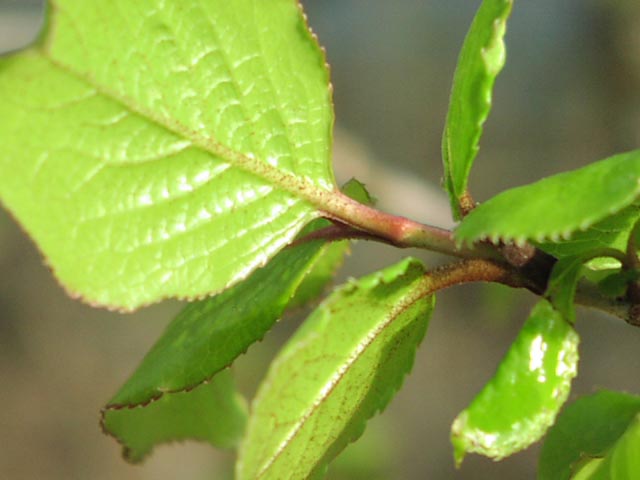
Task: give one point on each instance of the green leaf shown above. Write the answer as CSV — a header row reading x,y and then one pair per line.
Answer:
x,y
557,206
611,233
622,462
561,288
341,367
521,401
208,335
213,412
165,148
481,59
587,428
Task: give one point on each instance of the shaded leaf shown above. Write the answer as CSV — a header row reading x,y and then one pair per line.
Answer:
x,y
341,367
521,401
481,59
611,233
587,428
180,144
622,462
556,206
213,412
206,336
561,288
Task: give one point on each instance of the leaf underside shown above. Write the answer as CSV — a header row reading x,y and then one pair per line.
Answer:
x,y
481,60
164,148
341,367
556,207
521,401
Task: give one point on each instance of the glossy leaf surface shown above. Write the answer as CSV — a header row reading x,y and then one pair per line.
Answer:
x,y
213,412
521,401
481,59
165,148
557,206
588,428
341,367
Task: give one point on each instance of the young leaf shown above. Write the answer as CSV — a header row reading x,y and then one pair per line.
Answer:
x,y
341,367
521,401
611,233
213,412
587,428
481,59
561,288
557,206
165,148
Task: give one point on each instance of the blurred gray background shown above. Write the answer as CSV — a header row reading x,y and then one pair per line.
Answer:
x,y
569,95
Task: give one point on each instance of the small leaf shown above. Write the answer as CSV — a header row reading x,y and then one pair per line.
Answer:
x,y
213,412
611,233
556,206
341,367
561,288
587,428
481,59
165,148
521,401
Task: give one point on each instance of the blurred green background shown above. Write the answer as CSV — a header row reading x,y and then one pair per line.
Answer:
x,y
569,95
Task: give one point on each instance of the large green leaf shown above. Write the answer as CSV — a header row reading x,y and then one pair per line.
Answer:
x,y
158,148
587,428
341,367
481,59
557,206
213,412
521,401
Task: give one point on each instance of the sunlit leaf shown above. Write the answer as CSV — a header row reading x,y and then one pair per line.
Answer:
x,y
341,367
557,206
165,148
521,401
213,412
586,429
481,59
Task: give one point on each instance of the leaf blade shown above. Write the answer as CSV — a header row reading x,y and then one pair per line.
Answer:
x,y
572,439
190,202
532,212
481,60
213,413
304,405
520,402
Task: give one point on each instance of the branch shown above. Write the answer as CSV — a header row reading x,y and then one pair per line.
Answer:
x,y
400,231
